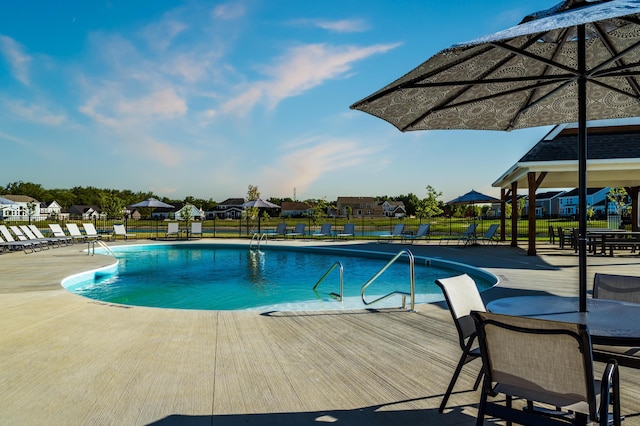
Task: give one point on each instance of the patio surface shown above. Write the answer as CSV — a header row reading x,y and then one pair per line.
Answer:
x,y
67,360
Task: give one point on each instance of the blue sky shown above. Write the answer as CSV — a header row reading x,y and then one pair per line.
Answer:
x,y
204,98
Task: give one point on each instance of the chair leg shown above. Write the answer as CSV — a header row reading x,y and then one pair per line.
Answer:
x,y
461,363
478,380
481,408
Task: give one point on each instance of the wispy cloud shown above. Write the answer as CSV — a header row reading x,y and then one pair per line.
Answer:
x,y
161,34
160,104
18,60
34,113
338,26
14,139
298,70
327,154
229,11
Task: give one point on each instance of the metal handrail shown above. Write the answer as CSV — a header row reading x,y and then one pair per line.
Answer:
x,y
337,296
91,247
256,236
412,282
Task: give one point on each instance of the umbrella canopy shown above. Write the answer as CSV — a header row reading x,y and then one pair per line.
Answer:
x,y
260,203
577,61
152,203
473,197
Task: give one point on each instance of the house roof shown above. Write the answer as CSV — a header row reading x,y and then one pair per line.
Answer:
x,y
295,205
574,192
613,152
20,198
232,202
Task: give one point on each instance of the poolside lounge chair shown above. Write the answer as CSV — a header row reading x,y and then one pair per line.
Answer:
x,y
58,232
44,245
66,240
120,231
490,236
462,296
48,242
467,237
12,242
173,230
4,245
423,232
543,362
280,231
325,231
395,233
91,232
74,231
349,231
623,288
196,229
298,231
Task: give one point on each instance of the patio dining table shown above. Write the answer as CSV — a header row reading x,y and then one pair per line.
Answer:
x,y
611,239
609,322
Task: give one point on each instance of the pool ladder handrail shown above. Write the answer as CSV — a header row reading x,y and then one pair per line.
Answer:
x,y
331,268
91,247
412,282
256,236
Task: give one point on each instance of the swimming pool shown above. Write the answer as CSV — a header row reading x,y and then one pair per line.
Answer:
x,y
233,277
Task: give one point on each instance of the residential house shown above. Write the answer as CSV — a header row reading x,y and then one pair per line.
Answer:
x,y
25,208
194,212
548,203
85,212
568,202
52,210
231,208
359,206
392,209
295,209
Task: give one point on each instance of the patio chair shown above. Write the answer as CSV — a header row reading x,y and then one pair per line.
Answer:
x,y
467,237
349,231
280,231
13,243
120,231
325,231
74,231
623,288
423,232
552,235
48,242
44,245
543,362
66,240
490,236
297,231
58,232
173,230
196,229
90,231
397,231
565,238
462,296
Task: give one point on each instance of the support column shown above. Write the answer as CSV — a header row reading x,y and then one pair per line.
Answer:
x,y
514,214
503,215
531,177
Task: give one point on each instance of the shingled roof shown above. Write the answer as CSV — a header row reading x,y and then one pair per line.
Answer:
x,y
613,157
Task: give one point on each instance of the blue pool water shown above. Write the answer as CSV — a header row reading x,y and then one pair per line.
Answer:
x,y
231,277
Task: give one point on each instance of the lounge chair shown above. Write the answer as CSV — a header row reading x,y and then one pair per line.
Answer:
x,y
173,230
74,231
467,237
623,288
280,231
423,232
395,233
196,229
66,240
349,231
4,245
12,242
298,231
462,296
59,232
44,245
325,231
490,236
90,231
543,362
48,242
120,231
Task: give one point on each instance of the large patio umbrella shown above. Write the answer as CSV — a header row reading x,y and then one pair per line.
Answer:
x,y
473,197
152,203
260,204
575,62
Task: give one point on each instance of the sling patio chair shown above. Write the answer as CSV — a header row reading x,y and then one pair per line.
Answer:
x,y
325,231
74,231
120,231
196,229
13,243
467,237
298,231
280,231
90,231
58,232
549,365
490,236
173,230
397,231
423,232
462,297
44,245
36,231
349,231
49,242
623,288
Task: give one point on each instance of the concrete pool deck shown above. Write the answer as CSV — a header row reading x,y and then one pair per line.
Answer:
x,y
67,360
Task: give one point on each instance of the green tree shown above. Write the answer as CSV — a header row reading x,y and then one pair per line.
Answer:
x,y
319,211
252,213
111,205
617,197
429,206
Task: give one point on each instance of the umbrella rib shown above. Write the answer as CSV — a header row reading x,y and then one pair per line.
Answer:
x,y
530,55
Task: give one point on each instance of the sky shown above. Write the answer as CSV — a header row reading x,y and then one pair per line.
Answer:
x,y
204,98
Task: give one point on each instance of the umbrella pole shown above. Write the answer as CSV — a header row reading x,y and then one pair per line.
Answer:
x,y
582,170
